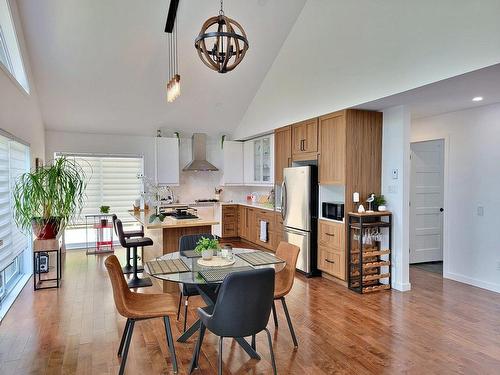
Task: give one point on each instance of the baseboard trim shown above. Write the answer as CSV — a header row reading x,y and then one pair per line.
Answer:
x,y
471,281
402,287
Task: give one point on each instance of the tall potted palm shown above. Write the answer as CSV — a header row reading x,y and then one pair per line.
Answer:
x,y
46,200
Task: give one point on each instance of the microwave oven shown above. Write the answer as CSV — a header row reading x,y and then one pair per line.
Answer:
x,y
333,210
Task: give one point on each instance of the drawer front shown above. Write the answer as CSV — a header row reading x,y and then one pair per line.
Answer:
x,y
331,262
230,229
331,235
230,212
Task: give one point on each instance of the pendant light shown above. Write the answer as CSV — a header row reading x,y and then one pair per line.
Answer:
x,y
174,84
228,39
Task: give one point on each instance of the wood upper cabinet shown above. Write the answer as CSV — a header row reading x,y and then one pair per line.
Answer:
x,y
282,152
305,137
332,148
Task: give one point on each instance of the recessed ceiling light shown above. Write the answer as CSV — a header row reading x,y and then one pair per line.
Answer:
x,y
477,98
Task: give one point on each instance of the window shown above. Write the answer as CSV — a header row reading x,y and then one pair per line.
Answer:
x,y
10,53
111,181
15,247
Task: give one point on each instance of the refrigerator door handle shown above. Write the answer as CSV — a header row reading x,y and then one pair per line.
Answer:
x,y
283,200
300,233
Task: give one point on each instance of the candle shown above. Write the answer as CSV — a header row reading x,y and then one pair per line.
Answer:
x,y
355,197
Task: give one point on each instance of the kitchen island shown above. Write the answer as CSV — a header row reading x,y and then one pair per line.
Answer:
x,y
166,234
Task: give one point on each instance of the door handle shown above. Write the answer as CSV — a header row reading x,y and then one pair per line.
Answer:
x,y
441,209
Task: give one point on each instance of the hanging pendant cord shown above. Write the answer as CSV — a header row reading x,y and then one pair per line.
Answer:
x,y
221,11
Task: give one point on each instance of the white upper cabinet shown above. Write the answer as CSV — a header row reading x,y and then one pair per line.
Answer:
x,y
233,163
167,160
259,161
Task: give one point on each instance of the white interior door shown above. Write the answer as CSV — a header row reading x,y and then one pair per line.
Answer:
x,y
426,201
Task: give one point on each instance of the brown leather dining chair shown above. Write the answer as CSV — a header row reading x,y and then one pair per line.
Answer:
x,y
284,281
138,306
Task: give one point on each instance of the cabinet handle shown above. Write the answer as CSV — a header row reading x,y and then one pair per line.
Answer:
x,y
304,144
301,145
329,261
330,234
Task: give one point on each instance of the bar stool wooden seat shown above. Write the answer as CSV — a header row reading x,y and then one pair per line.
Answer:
x,y
134,243
139,306
127,269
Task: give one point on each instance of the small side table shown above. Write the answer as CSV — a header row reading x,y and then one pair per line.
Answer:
x,y
47,246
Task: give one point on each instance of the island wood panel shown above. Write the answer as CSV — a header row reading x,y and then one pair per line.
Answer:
x,y
364,155
166,241
332,148
282,152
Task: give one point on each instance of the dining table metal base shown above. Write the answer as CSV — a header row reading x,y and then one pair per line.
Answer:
x,y
210,297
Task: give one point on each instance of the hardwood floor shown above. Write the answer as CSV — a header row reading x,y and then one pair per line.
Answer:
x,y
440,327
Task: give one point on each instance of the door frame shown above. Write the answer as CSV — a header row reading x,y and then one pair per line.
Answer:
x,y
446,203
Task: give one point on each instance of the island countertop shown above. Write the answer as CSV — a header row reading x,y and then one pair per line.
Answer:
x,y
169,222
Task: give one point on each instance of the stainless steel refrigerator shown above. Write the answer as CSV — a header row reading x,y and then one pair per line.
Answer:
x,y
299,207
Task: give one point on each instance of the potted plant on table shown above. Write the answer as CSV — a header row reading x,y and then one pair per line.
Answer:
x,y
206,247
45,200
105,211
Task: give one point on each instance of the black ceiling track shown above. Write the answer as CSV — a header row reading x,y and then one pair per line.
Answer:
x,y
172,11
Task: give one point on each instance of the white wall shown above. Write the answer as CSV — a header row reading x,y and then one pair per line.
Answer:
x,y
396,156
19,112
193,185
329,63
472,174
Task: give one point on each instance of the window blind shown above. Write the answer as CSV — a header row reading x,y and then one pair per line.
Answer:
x,y
111,181
14,161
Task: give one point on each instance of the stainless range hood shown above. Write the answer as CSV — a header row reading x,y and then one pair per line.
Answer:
x,y
199,162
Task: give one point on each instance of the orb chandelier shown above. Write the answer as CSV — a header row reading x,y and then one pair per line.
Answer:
x,y
228,40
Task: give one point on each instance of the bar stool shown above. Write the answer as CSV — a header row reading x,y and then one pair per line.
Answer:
x,y
134,243
127,269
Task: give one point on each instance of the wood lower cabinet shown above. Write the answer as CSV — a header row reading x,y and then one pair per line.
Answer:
x,y
282,152
247,225
305,139
331,248
229,221
242,222
332,262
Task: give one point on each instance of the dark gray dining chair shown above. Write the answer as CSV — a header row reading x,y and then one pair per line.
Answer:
x,y
128,234
242,309
188,242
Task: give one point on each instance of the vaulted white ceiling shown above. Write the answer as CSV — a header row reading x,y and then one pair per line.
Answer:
x,y
100,66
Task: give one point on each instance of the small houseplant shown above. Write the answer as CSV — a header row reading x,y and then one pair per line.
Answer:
x,y
46,199
206,247
104,210
379,203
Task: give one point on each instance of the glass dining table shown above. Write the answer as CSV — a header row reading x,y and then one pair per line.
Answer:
x,y
194,276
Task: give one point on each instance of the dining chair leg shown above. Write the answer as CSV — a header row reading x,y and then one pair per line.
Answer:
x,y
219,362
197,349
289,321
275,316
254,345
186,303
124,336
170,343
126,347
179,307
270,341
